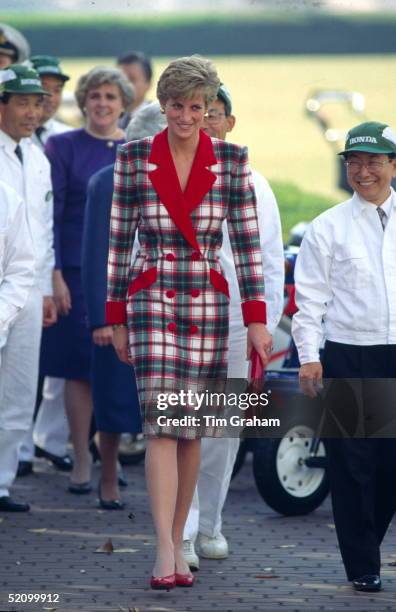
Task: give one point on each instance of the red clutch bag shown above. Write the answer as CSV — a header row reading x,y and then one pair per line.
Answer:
x,y
256,373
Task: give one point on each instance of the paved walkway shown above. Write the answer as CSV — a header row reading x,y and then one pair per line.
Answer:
x,y
276,563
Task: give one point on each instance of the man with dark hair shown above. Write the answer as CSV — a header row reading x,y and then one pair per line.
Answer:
x,y
346,291
51,429
138,69
53,80
26,169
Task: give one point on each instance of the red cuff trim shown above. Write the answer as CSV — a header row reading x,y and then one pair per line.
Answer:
x,y
116,313
254,312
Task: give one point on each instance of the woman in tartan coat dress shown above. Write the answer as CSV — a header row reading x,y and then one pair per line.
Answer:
x,y
175,190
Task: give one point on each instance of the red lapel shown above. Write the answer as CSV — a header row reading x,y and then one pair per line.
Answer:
x,y
166,183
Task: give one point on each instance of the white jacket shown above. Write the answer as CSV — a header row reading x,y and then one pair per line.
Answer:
x,y
17,260
272,256
32,182
346,278
51,128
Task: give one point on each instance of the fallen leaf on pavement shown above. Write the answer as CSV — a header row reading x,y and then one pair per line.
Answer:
x,y
107,547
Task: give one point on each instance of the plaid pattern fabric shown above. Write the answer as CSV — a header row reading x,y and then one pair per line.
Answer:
x,y
177,308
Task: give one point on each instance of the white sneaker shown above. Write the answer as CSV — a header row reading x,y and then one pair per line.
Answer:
x,y
190,555
212,548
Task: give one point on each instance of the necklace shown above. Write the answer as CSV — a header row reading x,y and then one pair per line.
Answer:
x,y
117,134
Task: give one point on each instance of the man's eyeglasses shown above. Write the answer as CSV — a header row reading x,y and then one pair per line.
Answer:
x,y
214,116
372,165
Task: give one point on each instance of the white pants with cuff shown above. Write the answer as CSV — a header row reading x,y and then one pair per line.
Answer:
x,y
18,384
51,428
217,457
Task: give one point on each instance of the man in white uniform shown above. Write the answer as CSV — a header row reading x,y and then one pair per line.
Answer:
x,y
53,80
17,263
26,169
218,455
346,289
51,429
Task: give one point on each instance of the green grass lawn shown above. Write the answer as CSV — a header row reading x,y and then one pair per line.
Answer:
x,y
285,144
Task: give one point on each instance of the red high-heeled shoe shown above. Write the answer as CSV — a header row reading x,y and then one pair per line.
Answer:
x,y
163,583
184,580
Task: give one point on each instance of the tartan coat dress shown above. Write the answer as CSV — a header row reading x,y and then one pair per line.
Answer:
x,y
174,297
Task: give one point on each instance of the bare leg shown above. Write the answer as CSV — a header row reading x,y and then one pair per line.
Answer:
x,y
78,404
162,483
188,458
108,445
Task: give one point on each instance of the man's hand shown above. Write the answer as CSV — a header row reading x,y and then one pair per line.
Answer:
x,y
49,311
61,294
310,377
120,343
258,337
103,336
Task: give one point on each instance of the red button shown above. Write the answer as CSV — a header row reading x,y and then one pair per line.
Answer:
x,y
195,292
170,293
172,327
170,257
195,256
193,329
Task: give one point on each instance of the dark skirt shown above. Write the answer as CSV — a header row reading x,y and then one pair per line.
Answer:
x,y
115,397
66,347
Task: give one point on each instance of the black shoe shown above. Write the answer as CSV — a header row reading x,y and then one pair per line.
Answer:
x,y
65,463
93,449
368,583
80,488
122,481
24,468
111,504
8,505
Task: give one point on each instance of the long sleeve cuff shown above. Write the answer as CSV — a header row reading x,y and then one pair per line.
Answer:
x,y
254,311
116,313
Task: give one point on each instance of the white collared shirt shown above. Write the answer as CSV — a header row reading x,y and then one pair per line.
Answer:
x,y
346,278
17,261
51,128
32,181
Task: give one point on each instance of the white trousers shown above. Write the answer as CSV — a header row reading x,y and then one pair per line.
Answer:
x,y
217,457
51,428
18,384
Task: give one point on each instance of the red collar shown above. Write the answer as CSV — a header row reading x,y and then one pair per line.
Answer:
x,y
166,183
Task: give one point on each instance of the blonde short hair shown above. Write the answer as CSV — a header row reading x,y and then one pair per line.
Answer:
x,y
186,77
104,76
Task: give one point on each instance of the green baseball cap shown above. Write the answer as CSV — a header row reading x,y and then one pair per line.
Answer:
x,y
20,79
224,95
48,65
370,137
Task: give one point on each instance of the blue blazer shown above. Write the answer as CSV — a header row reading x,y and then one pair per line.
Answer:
x,y
115,398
